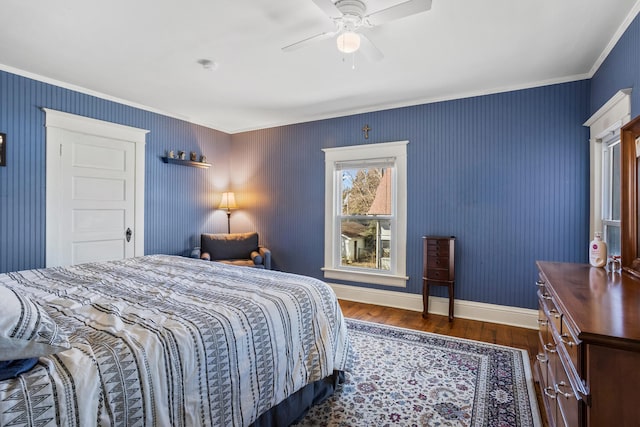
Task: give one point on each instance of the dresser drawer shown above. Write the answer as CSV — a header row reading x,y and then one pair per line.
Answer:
x,y
542,359
571,345
549,393
543,362
567,397
550,310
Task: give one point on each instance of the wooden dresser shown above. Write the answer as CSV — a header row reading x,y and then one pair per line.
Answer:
x,y
438,268
588,362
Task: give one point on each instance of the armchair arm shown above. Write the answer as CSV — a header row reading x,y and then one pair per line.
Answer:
x,y
266,256
195,252
256,258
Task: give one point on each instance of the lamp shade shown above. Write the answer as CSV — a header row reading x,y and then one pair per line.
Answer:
x,y
348,42
228,201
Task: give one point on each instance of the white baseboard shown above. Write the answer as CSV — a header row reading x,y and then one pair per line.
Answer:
x,y
501,314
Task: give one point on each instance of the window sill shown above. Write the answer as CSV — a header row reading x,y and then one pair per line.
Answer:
x,y
366,277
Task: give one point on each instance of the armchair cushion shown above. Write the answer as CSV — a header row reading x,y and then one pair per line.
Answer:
x,y
229,246
237,249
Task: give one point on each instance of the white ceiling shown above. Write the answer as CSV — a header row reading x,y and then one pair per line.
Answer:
x,y
145,53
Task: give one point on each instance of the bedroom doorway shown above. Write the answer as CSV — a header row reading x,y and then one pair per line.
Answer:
x,y
95,190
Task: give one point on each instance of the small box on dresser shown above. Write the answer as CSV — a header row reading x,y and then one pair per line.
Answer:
x,y
588,361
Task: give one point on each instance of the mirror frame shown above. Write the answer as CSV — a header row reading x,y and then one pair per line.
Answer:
x,y
629,212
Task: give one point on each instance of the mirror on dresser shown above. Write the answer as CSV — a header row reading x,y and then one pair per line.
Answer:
x,y
630,241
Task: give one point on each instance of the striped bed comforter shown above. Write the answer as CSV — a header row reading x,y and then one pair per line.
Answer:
x,y
171,341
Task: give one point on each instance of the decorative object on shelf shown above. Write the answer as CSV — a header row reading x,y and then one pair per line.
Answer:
x,y
170,154
203,159
3,149
181,155
177,161
193,156
228,202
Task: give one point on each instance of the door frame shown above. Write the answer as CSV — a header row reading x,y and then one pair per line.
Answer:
x,y
55,122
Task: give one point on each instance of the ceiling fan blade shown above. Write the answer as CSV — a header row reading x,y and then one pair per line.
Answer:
x,y
369,50
308,41
407,8
329,8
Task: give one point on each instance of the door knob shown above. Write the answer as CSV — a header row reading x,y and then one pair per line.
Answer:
x,y
128,234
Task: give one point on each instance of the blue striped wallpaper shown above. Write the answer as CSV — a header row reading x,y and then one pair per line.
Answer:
x,y
507,174
179,200
620,70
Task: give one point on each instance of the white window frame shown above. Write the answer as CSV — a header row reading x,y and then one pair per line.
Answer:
x,y
604,123
333,157
607,186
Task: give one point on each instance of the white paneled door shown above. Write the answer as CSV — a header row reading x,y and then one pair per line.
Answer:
x,y
97,198
95,190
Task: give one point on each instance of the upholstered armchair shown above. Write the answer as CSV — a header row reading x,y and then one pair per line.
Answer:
x,y
236,249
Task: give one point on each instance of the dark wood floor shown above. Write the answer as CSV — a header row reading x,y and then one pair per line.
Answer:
x,y
471,329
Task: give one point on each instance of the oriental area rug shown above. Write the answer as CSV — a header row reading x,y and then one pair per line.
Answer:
x,y
402,377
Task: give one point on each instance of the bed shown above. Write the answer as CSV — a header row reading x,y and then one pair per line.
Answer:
x,y
163,340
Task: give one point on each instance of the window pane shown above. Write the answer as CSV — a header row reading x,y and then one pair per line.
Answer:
x,y
365,243
612,235
616,186
366,191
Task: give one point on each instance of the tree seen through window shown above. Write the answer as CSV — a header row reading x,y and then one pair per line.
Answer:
x,y
365,220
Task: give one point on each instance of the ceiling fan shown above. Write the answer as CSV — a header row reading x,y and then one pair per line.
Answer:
x,y
349,17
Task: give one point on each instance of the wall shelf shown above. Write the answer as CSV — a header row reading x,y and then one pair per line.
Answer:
x,y
186,162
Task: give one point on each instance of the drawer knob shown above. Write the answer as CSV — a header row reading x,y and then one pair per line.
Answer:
x,y
542,358
566,339
550,348
555,313
543,322
540,283
547,296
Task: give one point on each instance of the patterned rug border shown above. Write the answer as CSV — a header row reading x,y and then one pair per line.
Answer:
x,y
442,336
524,354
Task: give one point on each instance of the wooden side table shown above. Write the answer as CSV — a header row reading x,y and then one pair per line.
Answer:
x,y
438,268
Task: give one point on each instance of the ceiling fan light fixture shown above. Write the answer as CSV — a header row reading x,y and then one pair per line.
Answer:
x,y
348,42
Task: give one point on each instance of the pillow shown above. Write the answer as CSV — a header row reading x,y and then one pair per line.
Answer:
x,y
229,246
26,330
13,368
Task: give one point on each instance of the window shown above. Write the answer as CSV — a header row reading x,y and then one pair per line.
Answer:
x,y
611,189
365,213
605,180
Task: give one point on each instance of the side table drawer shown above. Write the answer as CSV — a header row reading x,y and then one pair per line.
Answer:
x,y
438,262
438,248
438,274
